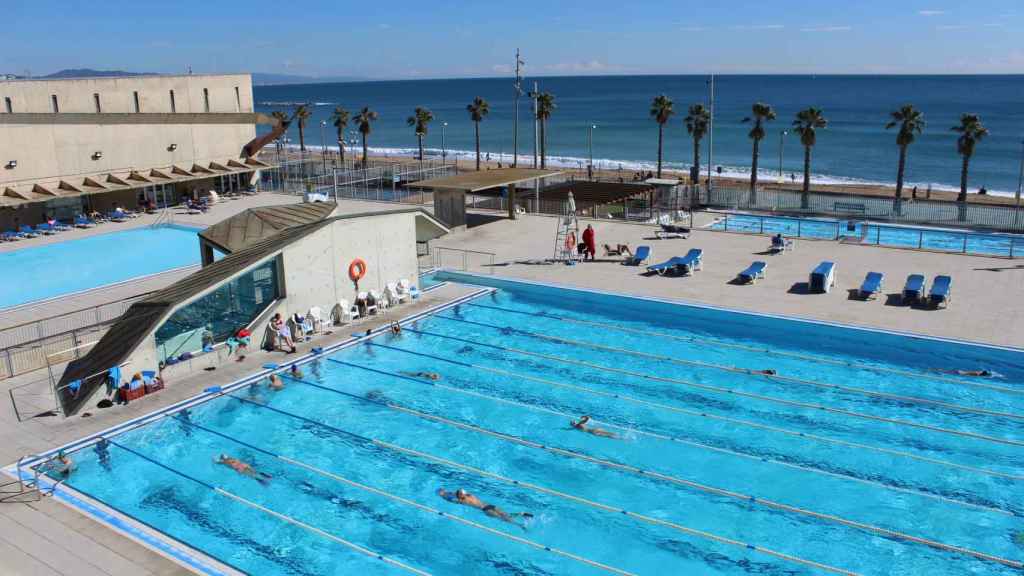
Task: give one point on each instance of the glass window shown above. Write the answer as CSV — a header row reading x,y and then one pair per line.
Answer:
x,y
96,101
53,103
219,314
238,100
135,99
174,105
206,100
8,105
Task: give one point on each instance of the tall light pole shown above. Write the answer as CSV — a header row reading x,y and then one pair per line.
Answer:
x,y
323,144
782,146
1020,179
444,151
711,126
590,147
515,121
536,123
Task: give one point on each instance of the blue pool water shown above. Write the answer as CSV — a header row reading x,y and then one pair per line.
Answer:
x,y
898,236
856,449
51,270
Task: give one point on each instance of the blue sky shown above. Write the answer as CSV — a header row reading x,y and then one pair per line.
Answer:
x,y
410,39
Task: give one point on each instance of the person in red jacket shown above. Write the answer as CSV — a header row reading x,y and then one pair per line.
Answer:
x,y
590,241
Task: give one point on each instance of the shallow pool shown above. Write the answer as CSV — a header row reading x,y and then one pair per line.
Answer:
x,y
898,236
41,272
857,456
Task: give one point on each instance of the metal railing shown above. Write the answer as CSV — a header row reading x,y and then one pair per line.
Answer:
x,y
460,259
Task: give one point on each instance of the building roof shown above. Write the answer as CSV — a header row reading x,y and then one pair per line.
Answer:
x,y
146,315
484,179
588,194
255,224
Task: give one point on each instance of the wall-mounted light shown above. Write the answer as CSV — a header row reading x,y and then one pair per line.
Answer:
x,y
172,147
11,164
97,155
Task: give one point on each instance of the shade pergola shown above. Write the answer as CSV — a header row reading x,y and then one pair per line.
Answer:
x,y
450,191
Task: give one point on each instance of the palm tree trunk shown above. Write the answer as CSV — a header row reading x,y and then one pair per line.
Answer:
x,y
661,137
419,141
341,146
302,137
898,200
805,196
476,128
364,150
753,172
961,199
543,144
695,170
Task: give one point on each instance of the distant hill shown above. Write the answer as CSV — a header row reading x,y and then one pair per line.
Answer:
x,y
90,73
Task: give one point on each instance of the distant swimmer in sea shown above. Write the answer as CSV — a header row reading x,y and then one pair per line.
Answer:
x,y
978,373
460,496
428,375
244,468
581,425
276,383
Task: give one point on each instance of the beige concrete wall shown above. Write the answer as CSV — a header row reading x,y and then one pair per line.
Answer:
x,y
48,153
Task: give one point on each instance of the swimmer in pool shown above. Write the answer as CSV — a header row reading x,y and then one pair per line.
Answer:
x,y
581,425
460,496
276,383
295,372
428,375
244,468
978,373
63,464
768,372
396,329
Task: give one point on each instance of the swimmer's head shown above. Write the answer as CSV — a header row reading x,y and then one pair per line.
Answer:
x,y
460,494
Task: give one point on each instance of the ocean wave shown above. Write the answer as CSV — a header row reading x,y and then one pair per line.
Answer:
x,y
629,166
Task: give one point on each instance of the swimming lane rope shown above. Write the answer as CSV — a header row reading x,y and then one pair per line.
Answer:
x,y
769,351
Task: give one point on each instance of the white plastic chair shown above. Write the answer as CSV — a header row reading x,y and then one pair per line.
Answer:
x,y
381,301
315,317
370,308
345,311
391,291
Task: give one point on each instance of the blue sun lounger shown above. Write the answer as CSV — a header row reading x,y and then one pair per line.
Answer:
x,y
642,254
823,278
941,292
694,260
913,290
665,267
753,273
872,285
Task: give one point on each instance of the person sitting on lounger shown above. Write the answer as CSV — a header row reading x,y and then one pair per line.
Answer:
x,y
427,375
244,468
581,425
460,496
283,332
619,250
979,373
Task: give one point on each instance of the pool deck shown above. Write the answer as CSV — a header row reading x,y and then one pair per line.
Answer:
x,y
47,538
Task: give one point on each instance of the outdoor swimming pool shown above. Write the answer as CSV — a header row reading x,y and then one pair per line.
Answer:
x,y
885,235
50,270
855,458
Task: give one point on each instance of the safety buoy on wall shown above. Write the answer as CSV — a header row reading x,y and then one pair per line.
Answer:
x,y
357,269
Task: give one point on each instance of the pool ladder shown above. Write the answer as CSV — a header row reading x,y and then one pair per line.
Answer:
x,y
25,487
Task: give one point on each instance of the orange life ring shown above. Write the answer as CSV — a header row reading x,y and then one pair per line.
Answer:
x,y
570,242
357,269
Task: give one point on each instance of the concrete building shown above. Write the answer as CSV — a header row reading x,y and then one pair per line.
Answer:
x,y
71,144
291,271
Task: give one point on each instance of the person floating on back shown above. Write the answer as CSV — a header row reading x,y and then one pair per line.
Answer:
x,y
581,425
244,468
460,496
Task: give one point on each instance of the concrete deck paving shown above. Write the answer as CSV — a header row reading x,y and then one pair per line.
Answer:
x,y
49,538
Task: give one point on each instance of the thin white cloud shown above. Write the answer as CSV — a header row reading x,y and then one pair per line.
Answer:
x,y
501,69
757,27
931,12
827,29
590,66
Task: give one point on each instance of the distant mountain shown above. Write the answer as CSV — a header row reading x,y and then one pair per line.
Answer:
x,y
265,79
90,73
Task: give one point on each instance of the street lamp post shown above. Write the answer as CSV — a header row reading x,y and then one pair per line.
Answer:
x,y
590,147
444,151
323,143
782,146
1020,185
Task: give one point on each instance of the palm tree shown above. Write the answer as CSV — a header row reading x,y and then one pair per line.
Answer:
x,y
545,105
911,122
759,114
365,120
806,125
419,120
281,117
303,114
971,132
697,121
661,111
478,110
340,120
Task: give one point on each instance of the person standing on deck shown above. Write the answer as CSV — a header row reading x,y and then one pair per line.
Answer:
x,y
591,242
